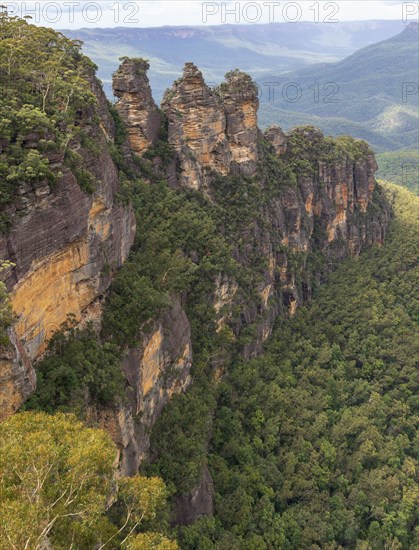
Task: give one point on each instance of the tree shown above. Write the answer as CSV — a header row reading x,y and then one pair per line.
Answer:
x,y
57,482
151,541
55,478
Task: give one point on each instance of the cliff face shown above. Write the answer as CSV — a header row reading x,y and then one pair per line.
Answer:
x,y
64,243
290,207
136,105
155,370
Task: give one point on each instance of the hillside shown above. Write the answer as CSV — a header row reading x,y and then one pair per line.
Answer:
x,y
401,167
256,49
222,309
366,98
314,444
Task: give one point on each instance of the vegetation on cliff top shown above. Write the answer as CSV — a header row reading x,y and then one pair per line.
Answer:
x,y
41,101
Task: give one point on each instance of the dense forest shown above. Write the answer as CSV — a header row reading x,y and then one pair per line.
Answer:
x,y
315,444
401,167
311,445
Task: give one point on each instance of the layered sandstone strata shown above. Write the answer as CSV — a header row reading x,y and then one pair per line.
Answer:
x,y
64,244
136,105
212,131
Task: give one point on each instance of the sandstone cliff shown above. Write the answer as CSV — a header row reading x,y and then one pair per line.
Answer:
x,y
288,206
155,370
64,243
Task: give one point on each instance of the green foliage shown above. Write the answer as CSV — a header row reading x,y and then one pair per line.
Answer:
x,y
237,82
56,479
85,179
401,167
239,199
116,150
150,541
274,170
181,443
32,168
162,149
41,99
55,476
6,315
77,367
314,444
133,301
173,228
141,65
306,145
6,312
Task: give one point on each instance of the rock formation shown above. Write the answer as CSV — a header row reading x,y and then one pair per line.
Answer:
x,y
241,103
276,137
212,130
60,241
312,198
136,105
197,128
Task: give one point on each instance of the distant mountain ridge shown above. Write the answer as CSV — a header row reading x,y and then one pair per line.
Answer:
x,y
372,94
258,49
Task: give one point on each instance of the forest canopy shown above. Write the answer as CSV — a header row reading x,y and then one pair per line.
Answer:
x,y
58,485
315,443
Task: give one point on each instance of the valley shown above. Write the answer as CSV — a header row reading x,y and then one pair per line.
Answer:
x,y
208,320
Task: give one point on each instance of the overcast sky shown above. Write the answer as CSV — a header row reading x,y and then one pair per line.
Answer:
x,y
153,13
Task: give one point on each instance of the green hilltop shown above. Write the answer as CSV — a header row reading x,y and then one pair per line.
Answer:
x,y
371,94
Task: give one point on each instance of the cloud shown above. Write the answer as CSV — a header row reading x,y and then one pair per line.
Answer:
x,y
154,13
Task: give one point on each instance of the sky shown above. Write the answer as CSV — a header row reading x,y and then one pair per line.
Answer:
x,y
73,14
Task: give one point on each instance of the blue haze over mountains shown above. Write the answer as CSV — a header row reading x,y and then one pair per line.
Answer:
x,y
367,61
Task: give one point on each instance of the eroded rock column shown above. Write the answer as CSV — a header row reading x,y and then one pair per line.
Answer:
x,y
136,105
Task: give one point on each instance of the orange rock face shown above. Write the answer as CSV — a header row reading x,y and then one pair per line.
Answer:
x,y
212,130
60,241
136,105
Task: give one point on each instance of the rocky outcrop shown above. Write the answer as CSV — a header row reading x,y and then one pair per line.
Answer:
x,y
212,131
197,503
155,370
196,128
136,105
277,139
240,99
64,244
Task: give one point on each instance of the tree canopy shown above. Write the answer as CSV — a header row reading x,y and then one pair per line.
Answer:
x,y
315,443
58,483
